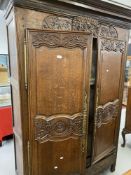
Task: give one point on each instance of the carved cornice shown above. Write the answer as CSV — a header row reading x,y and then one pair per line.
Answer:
x,y
103,7
106,113
58,127
97,10
109,45
54,40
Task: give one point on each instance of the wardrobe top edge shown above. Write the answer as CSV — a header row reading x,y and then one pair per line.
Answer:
x,y
98,10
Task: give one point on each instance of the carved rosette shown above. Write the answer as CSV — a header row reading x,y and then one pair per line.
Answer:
x,y
106,113
109,45
54,40
58,127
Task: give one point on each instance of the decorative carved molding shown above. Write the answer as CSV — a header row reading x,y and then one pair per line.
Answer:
x,y
57,23
106,113
54,7
86,24
58,127
79,23
108,32
54,40
109,45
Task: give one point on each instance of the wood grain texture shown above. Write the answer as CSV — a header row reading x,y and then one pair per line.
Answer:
x,y
57,94
108,92
58,84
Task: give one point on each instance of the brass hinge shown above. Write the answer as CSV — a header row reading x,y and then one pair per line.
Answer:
x,y
28,148
25,63
97,96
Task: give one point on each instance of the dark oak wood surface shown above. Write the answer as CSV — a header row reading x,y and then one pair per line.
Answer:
x,y
57,95
67,71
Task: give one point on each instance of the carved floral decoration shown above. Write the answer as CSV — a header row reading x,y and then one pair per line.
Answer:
x,y
106,113
58,127
54,40
85,24
79,23
115,45
108,32
57,23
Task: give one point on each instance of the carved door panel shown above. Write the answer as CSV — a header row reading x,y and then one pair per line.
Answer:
x,y
58,71
109,70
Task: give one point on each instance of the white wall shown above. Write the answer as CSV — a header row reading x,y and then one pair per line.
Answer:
x,y
130,38
3,35
123,3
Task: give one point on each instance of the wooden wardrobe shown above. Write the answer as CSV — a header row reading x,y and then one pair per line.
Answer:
x,y
127,128
67,66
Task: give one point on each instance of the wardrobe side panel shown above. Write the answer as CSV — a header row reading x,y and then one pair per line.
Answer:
x,y
25,18
15,92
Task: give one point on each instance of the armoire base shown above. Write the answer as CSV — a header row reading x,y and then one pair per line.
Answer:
x,y
102,165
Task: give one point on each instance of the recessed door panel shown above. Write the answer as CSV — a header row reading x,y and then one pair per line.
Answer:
x,y
109,76
109,72
58,82
58,73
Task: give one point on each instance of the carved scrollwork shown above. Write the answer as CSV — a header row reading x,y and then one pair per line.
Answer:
x,y
108,32
57,23
54,40
106,113
58,127
79,23
109,45
85,24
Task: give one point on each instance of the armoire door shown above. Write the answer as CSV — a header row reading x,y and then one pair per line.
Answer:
x,y
108,98
58,90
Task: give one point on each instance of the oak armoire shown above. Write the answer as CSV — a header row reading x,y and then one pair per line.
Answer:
x,y
67,63
127,128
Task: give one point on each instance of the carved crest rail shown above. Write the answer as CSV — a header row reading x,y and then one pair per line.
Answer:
x,y
79,23
106,113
